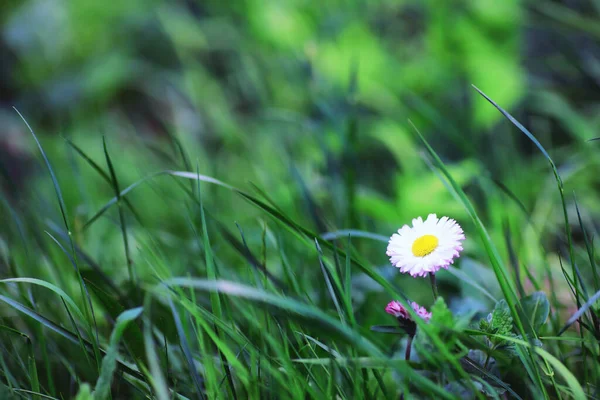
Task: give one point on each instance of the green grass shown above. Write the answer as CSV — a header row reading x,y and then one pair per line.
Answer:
x,y
197,199
272,314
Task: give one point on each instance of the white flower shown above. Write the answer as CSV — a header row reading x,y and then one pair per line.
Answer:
x,y
427,246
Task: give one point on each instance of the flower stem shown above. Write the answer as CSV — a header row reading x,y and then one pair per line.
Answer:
x,y
433,286
407,355
487,360
408,347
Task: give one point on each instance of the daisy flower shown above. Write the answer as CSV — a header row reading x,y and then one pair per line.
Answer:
x,y
396,309
427,246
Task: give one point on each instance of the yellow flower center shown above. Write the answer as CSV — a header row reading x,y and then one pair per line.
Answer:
x,y
424,245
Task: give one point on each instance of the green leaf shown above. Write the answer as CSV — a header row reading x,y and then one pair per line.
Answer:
x,y
502,321
537,308
443,325
441,315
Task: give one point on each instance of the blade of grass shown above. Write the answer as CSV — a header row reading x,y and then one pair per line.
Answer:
x,y
115,185
51,287
31,366
249,293
63,211
60,330
85,294
109,362
353,233
552,166
198,381
582,310
102,173
215,297
588,246
93,264
159,383
330,288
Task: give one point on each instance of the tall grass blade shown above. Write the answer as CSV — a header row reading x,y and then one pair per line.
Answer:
x,y
157,378
579,313
103,174
115,185
109,362
198,382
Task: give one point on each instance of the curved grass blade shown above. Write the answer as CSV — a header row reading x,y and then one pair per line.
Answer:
x,y
62,331
552,165
466,278
322,345
355,234
124,192
35,394
156,377
559,186
31,366
91,321
84,293
115,185
101,172
198,381
109,362
492,377
504,189
304,310
51,287
250,293
582,310
328,275
89,261
61,202
245,251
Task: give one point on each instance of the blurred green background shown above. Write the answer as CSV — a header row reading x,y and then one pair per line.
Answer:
x,y
307,103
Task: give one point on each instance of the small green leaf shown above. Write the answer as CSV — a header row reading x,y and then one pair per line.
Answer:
x,y
537,308
502,321
441,315
484,325
443,325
